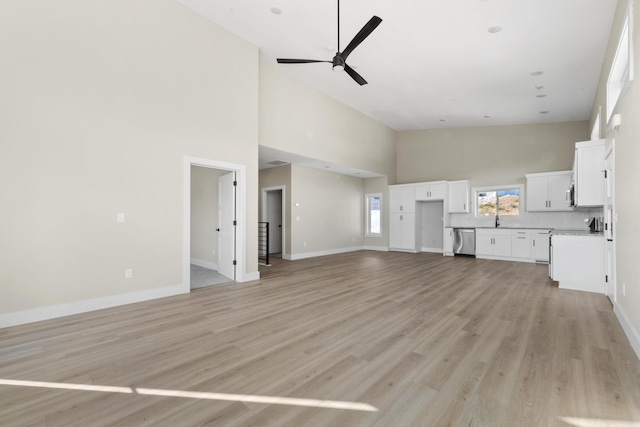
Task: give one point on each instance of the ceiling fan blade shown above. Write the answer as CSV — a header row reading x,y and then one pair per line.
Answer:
x,y
362,34
298,61
355,76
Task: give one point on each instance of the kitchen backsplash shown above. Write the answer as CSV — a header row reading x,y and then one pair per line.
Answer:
x,y
558,220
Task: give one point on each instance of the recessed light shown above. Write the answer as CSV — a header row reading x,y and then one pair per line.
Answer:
x,y
494,30
357,173
487,117
276,10
543,112
539,87
537,73
326,167
442,120
542,95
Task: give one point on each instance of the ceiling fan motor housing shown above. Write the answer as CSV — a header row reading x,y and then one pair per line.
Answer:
x,y
338,63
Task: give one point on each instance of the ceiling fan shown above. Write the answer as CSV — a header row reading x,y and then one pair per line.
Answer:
x,y
340,59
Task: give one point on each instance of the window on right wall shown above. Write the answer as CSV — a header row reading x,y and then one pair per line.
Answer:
x,y
621,73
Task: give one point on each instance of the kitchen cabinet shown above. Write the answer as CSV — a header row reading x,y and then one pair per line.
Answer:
x,y
493,242
521,245
579,262
430,190
458,200
448,241
589,173
547,191
540,245
402,198
403,231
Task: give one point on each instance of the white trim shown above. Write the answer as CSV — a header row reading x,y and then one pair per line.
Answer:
x,y
249,277
376,248
632,334
324,253
204,264
61,310
432,250
263,212
241,215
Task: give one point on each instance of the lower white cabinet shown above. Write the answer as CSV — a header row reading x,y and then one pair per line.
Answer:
x,y
403,230
448,241
579,262
540,245
493,242
521,246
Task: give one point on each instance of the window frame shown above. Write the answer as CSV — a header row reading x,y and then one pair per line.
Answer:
x,y
621,71
367,214
496,188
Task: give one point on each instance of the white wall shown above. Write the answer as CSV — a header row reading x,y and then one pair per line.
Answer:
x,y
301,120
326,212
101,100
627,177
492,155
432,224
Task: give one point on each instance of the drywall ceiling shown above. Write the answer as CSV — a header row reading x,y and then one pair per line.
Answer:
x,y
437,63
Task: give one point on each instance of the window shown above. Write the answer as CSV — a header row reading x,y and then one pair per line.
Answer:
x,y
373,203
503,200
621,72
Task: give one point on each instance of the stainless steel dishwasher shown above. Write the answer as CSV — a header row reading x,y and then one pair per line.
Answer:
x,y
464,241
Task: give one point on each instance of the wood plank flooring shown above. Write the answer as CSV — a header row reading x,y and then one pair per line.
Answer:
x,y
362,339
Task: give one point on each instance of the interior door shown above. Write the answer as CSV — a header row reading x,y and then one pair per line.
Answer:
x,y
226,227
274,217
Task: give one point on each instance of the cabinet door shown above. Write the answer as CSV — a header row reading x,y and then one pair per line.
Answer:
x,y
409,231
448,241
537,193
436,191
484,243
395,229
422,191
540,246
558,186
521,246
502,245
402,199
590,176
459,197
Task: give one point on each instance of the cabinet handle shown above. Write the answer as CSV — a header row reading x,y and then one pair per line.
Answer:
x,y
549,203
464,206
401,208
401,217
534,243
521,237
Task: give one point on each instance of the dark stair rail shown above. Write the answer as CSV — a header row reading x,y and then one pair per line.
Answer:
x,y
263,243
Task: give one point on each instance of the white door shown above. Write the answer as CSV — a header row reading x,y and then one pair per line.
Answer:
x,y
226,227
274,218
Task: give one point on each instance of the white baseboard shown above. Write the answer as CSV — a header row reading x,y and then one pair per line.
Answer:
x,y
432,250
248,277
324,253
54,311
204,264
287,257
632,334
376,248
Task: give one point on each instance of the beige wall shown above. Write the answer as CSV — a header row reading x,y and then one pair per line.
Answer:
x,y
492,155
276,177
101,100
301,120
627,175
204,213
326,211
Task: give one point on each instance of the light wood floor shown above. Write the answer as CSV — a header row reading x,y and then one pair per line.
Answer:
x,y
425,340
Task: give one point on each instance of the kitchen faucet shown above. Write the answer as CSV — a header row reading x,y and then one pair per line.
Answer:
x,y
497,221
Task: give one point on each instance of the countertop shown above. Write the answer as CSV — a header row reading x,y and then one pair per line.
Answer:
x,y
585,233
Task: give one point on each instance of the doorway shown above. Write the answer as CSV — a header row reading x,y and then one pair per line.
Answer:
x,y
273,213
214,225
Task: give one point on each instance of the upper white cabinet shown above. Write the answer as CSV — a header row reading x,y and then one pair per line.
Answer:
x,y
589,173
458,196
402,198
548,191
430,190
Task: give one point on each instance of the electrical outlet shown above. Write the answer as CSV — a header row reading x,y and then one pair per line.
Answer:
x,y
624,289
128,273
353,239
214,251
120,217
305,244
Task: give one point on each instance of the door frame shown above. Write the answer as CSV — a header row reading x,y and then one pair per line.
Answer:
x,y
263,209
241,215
